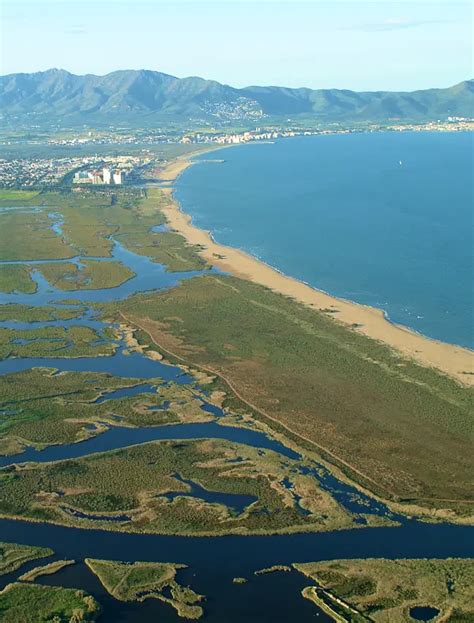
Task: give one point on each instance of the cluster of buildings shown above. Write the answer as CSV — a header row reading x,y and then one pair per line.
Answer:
x,y
252,135
51,173
452,124
242,108
152,137
36,172
100,176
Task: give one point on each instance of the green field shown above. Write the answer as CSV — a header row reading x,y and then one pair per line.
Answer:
x,y
13,197
90,219
28,236
31,603
16,278
383,590
92,275
386,421
43,408
147,580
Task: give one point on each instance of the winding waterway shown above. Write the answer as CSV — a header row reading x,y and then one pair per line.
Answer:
x,y
213,562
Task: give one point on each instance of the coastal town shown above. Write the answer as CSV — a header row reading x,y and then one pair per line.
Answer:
x,y
48,173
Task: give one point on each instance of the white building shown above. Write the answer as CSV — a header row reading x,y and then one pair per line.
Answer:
x,y
118,177
82,177
106,175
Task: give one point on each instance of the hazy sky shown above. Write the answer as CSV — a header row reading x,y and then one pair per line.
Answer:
x,y
351,44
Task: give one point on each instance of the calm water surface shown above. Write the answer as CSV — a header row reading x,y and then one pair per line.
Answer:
x,y
384,219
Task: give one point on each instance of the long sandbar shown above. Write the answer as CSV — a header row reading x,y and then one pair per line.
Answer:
x,y
455,361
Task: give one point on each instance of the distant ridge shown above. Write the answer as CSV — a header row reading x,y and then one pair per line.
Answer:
x,y
136,95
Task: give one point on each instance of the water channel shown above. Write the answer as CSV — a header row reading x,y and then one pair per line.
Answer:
x,y
213,561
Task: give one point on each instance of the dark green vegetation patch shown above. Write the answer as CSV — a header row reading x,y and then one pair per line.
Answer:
x,y
13,556
31,603
128,489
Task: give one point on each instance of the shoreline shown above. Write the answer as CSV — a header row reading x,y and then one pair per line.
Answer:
x,y
450,359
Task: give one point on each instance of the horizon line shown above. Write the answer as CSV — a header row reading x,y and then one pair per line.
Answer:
x,y
269,86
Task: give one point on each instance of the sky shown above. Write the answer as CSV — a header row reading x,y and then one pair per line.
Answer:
x,y
369,45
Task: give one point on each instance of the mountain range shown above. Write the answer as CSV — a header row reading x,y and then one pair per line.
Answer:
x,y
134,95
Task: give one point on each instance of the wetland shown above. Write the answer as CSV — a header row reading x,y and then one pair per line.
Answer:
x,y
145,418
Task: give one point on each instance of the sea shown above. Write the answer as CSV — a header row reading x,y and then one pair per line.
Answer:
x,y
383,218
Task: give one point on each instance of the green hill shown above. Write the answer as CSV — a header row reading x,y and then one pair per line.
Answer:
x,y
138,95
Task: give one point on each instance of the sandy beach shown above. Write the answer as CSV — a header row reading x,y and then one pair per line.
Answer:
x,y
452,360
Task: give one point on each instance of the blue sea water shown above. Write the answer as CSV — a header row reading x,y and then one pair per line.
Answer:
x,y
384,219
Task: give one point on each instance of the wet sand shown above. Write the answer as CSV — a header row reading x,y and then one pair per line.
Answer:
x,y
450,359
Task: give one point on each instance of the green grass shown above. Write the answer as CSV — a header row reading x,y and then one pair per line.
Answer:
x,y
91,218
16,278
144,580
387,421
127,581
15,197
28,236
384,590
31,603
92,275
13,556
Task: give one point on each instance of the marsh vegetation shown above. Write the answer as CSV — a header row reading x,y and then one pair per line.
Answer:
x,y
40,407
386,590
130,489
13,556
148,580
384,420
33,603
76,341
